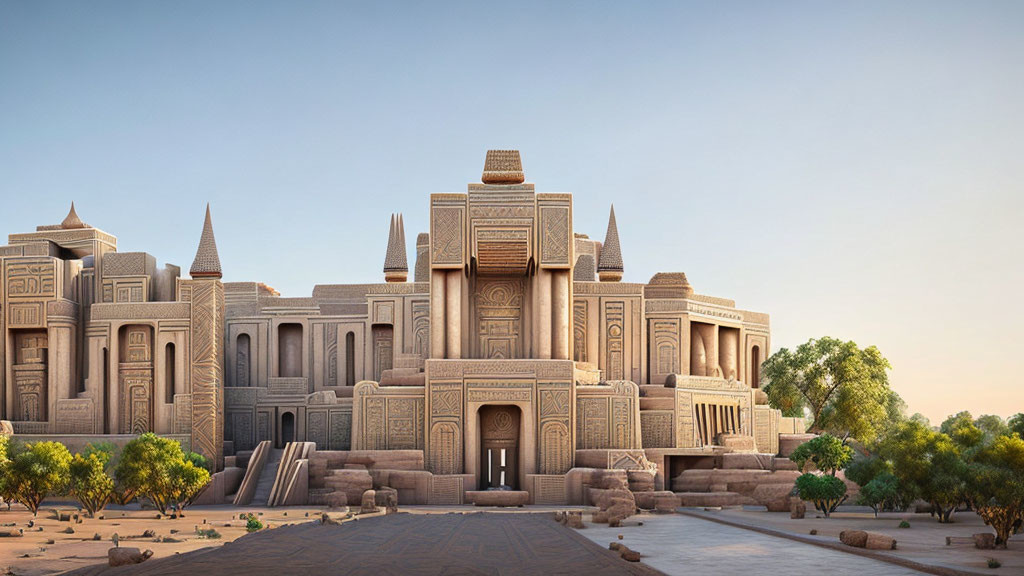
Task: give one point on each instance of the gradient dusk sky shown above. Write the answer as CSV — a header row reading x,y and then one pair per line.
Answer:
x,y
854,169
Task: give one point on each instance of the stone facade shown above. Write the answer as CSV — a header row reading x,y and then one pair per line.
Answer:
x,y
516,350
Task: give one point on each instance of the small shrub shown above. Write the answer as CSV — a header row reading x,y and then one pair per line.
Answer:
x,y
208,533
904,524
253,524
993,563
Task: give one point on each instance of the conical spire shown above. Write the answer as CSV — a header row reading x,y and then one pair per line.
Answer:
x,y
72,220
396,267
207,262
609,267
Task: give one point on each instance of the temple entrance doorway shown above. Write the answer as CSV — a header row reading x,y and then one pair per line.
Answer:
x,y
499,447
287,429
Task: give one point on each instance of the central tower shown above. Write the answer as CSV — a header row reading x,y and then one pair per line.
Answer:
x,y
501,261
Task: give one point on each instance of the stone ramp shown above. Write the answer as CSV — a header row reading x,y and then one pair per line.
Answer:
x,y
267,479
407,544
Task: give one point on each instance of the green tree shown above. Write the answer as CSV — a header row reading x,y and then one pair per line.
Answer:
x,y
928,465
883,491
145,468
187,481
865,468
5,494
1016,424
844,388
961,428
995,486
826,452
827,492
36,470
992,425
89,482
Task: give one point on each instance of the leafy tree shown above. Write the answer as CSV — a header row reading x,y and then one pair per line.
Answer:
x,y
883,491
145,468
827,492
5,494
928,465
992,425
826,452
995,486
1016,424
865,468
89,482
844,388
37,470
157,469
961,429
187,481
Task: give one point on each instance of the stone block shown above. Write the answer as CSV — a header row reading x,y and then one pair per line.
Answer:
x,y
127,556
984,541
387,498
789,442
640,480
855,538
352,483
498,497
879,542
412,486
578,480
369,502
797,509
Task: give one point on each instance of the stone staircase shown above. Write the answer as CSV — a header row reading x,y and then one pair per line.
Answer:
x,y
266,482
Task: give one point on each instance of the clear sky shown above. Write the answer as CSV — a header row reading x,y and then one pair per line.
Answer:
x,y
853,169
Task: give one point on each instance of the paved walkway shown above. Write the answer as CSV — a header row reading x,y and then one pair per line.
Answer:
x,y
414,544
677,544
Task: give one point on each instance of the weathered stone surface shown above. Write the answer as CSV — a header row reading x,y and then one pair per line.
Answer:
x,y
368,505
574,519
984,541
11,533
855,538
797,509
879,542
578,481
126,556
789,442
640,480
498,497
352,483
387,498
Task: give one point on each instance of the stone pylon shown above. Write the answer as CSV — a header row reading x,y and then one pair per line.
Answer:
x,y
396,266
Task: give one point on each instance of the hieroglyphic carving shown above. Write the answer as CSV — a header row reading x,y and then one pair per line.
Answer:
x,y
74,416
182,413
29,393
446,490
136,400
263,426
445,448
656,428
242,430
35,279
389,418
551,370
591,423
26,315
579,330
316,427
499,304
614,340
607,416
341,430
383,349
549,490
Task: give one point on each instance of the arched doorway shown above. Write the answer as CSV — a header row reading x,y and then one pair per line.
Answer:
x,y
287,428
499,447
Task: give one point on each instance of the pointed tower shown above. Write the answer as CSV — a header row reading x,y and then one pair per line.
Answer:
x,y
207,262
205,294
72,221
396,267
609,266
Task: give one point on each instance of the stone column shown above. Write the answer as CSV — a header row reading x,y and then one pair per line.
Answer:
x,y
561,313
543,314
453,311
437,313
727,352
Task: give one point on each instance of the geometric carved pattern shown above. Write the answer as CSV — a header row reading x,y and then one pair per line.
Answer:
x,y
207,358
31,280
656,427
665,346
499,312
579,330
607,416
446,231
554,227
614,340
445,452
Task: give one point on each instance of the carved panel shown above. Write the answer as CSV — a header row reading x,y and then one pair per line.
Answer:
x,y
26,315
555,455
579,330
499,309
332,354
549,490
446,236
30,393
136,399
555,236
656,428
421,329
316,428
383,350
341,430
445,448
615,340
74,416
31,280
446,490
207,338
665,346
242,430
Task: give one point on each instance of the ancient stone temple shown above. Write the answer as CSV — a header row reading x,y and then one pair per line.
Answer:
x,y
515,358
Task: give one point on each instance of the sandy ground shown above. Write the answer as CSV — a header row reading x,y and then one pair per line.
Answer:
x,y
924,541
33,554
